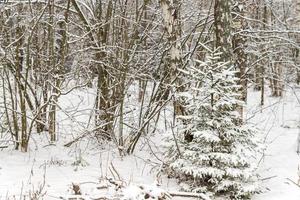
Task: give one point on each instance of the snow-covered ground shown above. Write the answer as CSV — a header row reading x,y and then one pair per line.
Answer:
x,y
279,120
53,169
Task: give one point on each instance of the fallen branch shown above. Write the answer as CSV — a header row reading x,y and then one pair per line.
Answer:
x,y
189,194
86,133
267,178
293,182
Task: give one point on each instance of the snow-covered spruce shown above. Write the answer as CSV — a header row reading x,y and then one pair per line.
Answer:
x,y
215,158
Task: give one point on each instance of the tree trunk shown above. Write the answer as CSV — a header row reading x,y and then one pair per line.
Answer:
x,y
172,60
222,16
52,64
297,54
239,45
104,112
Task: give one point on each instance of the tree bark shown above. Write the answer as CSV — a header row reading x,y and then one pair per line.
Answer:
x,y
239,45
222,17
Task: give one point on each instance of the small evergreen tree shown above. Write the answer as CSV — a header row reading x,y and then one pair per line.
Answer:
x,y
216,159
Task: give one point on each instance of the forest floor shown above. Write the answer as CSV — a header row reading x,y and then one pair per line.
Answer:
x,y
52,169
279,168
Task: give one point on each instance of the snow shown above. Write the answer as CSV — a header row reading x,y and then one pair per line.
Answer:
x,y
280,124
19,170
22,173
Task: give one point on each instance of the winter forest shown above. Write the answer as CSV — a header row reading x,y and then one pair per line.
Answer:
x,y
149,99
